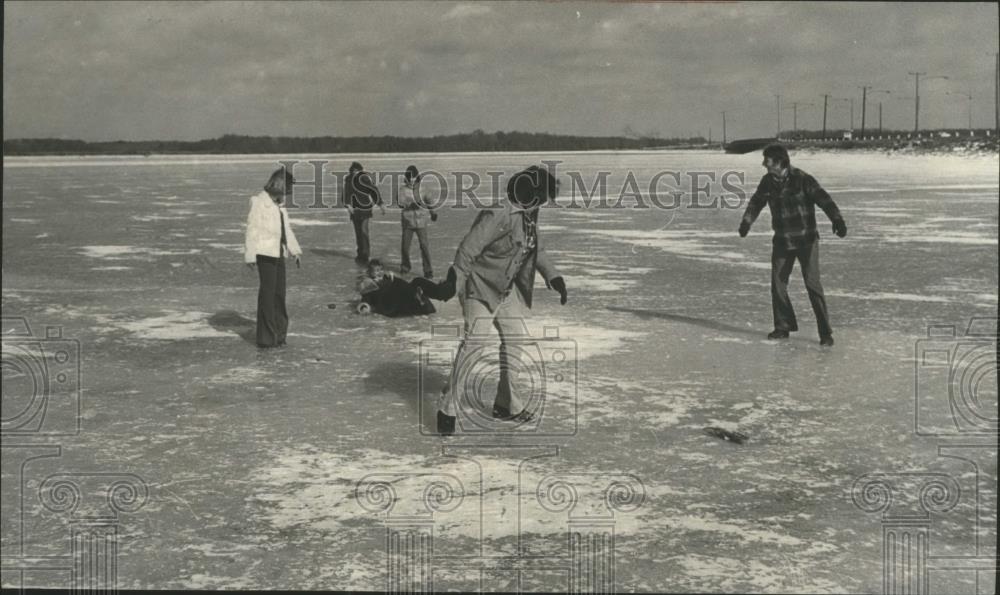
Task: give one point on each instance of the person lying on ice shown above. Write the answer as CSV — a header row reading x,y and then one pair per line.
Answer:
x,y
384,293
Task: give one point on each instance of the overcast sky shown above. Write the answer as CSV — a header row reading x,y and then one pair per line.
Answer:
x,y
104,71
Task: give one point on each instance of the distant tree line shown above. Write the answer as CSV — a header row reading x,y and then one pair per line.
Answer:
x,y
236,144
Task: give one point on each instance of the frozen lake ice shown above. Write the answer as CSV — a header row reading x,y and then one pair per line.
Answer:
x,y
253,460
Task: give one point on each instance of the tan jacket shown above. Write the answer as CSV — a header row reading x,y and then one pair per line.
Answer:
x,y
416,214
492,256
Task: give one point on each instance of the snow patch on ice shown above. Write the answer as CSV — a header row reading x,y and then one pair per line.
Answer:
x,y
891,296
324,491
124,252
173,326
149,218
221,246
312,223
686,243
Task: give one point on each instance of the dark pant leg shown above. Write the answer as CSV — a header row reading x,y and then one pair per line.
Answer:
x,y
425,251
280,312
782,261
809,262
430,289
404,250
356,223
366,239
267,325
361,238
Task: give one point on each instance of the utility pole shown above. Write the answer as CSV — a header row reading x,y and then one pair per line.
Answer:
x,y
916,101
778,98
826,97
723,128
996,95
916,97
852,116
795,114
864,103
887,92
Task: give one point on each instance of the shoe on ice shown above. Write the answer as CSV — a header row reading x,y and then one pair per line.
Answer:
x,y
446,289
826,341
504,414
777,334
445,424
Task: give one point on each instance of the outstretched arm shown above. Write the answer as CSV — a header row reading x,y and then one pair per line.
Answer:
x,y
757,202
553,278
821,198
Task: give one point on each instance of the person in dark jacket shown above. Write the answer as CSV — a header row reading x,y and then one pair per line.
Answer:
x,y
362,197
386,294
792,195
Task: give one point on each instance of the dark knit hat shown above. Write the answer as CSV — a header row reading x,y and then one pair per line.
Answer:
x,y
532,187
355,166
411,174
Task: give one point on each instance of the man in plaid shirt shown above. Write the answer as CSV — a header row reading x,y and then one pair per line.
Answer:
x,y
792,196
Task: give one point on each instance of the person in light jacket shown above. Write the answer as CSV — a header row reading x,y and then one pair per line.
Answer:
x,y
415,218
269,238
494,273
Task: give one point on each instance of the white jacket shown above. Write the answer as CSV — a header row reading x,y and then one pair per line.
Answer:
x,y
264,229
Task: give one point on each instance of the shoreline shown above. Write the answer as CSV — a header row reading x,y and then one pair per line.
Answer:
x,y
983,148
926,146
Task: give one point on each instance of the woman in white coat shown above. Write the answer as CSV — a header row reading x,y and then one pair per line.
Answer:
x,y
269,238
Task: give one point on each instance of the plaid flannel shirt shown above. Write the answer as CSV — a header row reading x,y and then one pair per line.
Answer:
x,y
792,200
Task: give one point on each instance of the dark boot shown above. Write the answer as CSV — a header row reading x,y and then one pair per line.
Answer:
x,y
442,291
445,424
447,287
